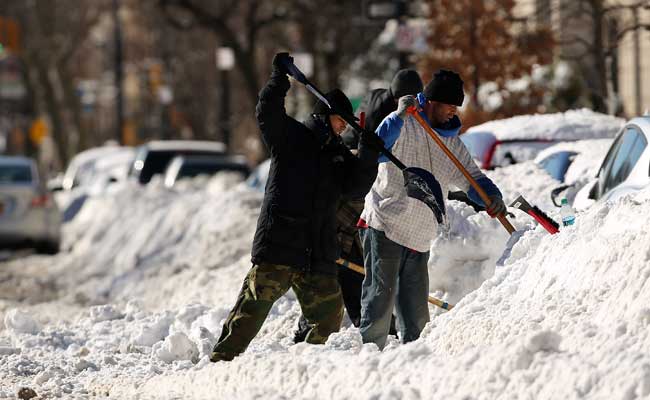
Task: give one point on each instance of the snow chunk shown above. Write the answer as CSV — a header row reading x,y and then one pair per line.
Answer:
x,y
19,322
346,339
150,334
105,313
176,347
543,341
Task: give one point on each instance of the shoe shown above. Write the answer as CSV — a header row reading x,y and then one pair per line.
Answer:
x,y
216,357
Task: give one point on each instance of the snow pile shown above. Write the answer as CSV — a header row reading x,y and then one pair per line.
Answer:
x,y
570,125
156,244
151,274
567,317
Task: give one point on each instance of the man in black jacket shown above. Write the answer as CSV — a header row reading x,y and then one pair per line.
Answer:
x,y
295,244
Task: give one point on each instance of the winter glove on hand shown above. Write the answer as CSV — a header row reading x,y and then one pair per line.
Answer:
x,y
497,206
280,61
371,140
404,103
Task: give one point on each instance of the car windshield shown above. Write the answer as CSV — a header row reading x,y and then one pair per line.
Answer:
x,y
15,174
558,163
628,152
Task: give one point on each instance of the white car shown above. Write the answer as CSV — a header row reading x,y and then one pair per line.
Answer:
x,y
625,169
28,215
572,163
90,173
84,167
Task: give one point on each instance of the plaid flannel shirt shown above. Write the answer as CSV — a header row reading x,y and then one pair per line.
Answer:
x,y
387,208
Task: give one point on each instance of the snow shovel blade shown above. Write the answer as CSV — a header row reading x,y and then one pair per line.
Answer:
x,y
422,185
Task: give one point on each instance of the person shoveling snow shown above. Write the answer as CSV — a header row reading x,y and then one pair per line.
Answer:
x,y
399,230
295,244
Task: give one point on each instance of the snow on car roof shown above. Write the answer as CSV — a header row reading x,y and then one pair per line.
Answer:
x,y
569,125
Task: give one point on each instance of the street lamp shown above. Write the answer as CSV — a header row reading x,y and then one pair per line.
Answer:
x,y
225,58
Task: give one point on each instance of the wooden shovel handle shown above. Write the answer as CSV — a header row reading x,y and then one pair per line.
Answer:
x,y
501,217
358,268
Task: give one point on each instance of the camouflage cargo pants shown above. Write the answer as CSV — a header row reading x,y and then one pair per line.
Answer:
x,y
319,296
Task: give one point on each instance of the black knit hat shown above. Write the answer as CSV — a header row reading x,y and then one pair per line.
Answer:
x,y
406,81
445,87
337,99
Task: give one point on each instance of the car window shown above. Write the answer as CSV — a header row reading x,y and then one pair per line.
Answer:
x,y
192,170
629,150
557,164
15,174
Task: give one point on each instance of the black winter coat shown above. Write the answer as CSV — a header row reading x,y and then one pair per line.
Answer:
x,y
378,104
310,170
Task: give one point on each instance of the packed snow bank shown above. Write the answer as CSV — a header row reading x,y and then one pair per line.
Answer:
x,y
569,125
566,317
157,244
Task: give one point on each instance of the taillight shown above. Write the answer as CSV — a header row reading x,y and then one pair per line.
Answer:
x,y
42,200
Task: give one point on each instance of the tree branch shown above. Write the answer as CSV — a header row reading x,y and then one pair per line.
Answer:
x,y
588,45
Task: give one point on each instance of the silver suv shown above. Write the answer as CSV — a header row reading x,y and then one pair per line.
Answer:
x,y
28,214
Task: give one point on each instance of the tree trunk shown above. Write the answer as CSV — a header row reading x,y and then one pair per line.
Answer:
x,y
73,104
49,96
600,91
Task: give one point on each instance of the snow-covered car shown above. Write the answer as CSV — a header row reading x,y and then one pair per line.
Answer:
x,y
87,165
90,173
503,142
153,157
625,169
572,164
192,166
28,215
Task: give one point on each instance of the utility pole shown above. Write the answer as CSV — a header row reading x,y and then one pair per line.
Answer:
x,y
119,73
225,62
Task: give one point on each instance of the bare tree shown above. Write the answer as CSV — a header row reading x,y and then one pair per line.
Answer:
x,y
52,33
590,33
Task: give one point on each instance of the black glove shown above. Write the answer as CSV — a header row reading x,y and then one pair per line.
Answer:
x,y
280,61
497,207
370,139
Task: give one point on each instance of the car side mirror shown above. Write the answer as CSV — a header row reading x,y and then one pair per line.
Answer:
x,y
556,192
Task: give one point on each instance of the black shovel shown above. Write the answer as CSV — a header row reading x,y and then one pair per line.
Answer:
x,y
420,184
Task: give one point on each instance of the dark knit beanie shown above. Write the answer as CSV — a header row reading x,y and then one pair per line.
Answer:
x,y
406,81
338,100
445,87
